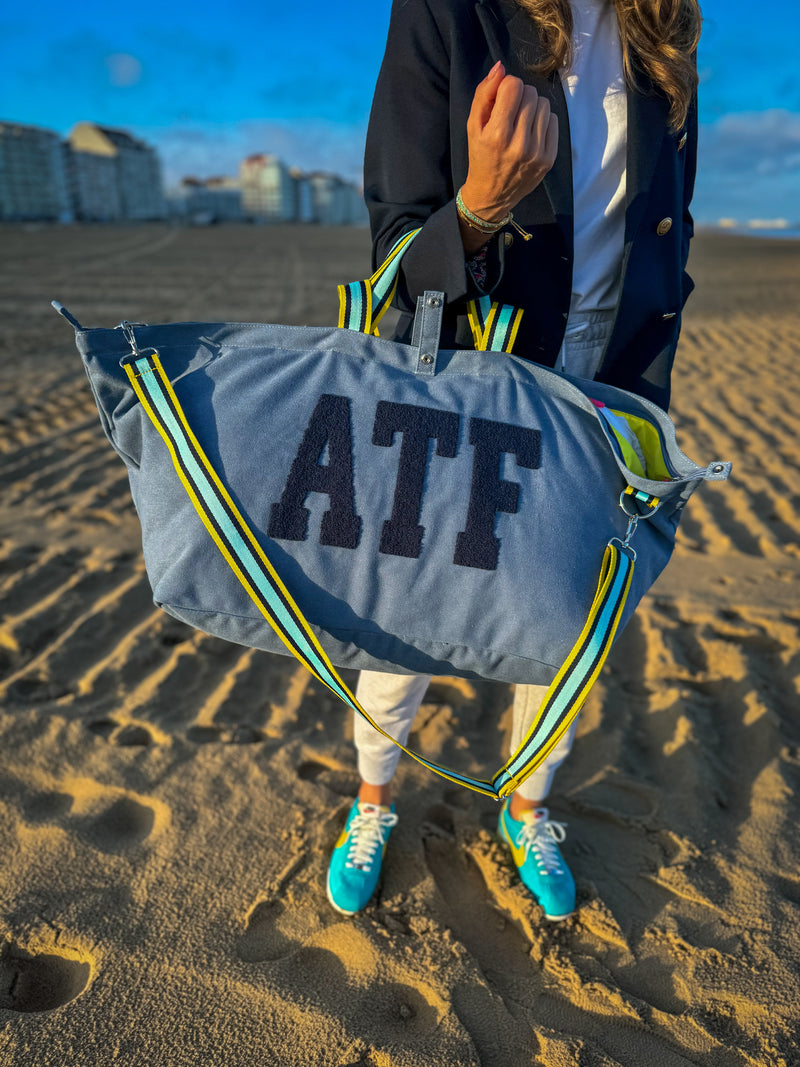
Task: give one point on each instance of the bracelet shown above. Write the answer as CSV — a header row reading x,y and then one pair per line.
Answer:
x,y
483,225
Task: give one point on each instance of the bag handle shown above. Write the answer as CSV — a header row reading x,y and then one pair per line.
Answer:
x,y
248,561
363,304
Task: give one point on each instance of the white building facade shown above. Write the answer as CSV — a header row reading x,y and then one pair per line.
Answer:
x,y
33,180
113,175
268,189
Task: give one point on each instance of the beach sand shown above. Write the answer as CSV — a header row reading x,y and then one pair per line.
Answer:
x,y
168,801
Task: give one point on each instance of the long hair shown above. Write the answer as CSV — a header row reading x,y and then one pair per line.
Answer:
x,y
661,34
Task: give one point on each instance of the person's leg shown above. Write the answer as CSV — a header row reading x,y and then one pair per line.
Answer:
x,y
392,700
535,789
524,823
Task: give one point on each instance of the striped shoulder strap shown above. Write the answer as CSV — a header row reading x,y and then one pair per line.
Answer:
x,y
249,562
362,305
494,326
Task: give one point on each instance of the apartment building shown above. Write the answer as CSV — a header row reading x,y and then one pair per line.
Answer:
x,y
33,181
268,189
113,175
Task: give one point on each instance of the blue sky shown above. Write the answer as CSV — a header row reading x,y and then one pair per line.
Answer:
x,y
207,86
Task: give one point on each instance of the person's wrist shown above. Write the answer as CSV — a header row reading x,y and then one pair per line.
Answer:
x,y
479,203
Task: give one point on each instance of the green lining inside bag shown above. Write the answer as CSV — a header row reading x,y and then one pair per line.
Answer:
x,y
639,442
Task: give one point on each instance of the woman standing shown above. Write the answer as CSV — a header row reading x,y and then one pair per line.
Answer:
x,y
561,184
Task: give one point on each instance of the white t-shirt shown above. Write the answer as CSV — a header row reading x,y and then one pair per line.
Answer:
x,y
596,97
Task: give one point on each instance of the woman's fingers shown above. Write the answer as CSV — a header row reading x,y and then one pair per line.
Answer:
x,y
510,96
485,95
529,131
539,131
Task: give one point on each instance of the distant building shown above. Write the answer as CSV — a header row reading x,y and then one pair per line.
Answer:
x,y
33,182
336,202
113,175
357,214
303,197
200,201
768,224
268,189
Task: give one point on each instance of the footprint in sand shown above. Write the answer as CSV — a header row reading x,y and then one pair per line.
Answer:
x,y
41,982
124,824
239,733
622,800
439,822
133,736
126,735
111,820
487,1009
262,940
339,780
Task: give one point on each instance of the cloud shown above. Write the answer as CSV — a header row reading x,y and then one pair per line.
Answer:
x,y
203,151
750,135
748,165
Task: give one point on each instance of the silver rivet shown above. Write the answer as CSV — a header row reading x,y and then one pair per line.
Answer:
x,y
433,302
718,468
426,358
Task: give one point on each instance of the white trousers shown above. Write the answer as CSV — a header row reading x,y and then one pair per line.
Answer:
x,y
393,700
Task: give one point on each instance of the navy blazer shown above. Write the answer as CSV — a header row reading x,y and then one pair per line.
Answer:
x,y
416,159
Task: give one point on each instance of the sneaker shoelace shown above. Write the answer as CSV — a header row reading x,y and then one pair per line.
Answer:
x,y
368,831
543,837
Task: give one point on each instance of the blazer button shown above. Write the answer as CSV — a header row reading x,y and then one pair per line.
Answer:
x,y
508,239
682,142
664,227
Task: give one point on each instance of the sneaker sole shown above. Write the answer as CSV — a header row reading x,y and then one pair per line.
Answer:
x,y
334,905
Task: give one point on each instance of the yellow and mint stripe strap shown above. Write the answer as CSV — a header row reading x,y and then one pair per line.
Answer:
x,y
494,326
647,499
362,304
572,684
252,568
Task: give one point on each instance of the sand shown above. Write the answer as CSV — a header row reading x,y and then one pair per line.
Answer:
x,y
168,801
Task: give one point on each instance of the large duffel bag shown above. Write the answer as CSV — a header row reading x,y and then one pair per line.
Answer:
x,y
365,503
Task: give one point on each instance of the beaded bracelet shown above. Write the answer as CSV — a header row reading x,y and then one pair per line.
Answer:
x,y
483,225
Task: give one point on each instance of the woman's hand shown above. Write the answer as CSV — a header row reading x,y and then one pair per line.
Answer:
x,y
513,139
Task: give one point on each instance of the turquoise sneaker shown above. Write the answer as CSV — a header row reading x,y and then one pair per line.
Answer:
x,y
356,861
534,842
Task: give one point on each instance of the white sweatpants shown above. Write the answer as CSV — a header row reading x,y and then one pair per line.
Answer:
x,y
393,700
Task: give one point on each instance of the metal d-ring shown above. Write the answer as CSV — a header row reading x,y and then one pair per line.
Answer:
x,y
634,518
623,496
628,549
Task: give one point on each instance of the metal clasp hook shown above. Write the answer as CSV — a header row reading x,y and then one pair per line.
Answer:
x,y
633,522
127,329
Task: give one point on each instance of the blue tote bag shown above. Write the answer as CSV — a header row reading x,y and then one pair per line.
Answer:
x,y
360,502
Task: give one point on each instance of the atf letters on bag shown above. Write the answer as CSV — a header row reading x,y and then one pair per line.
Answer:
x,y
329,434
